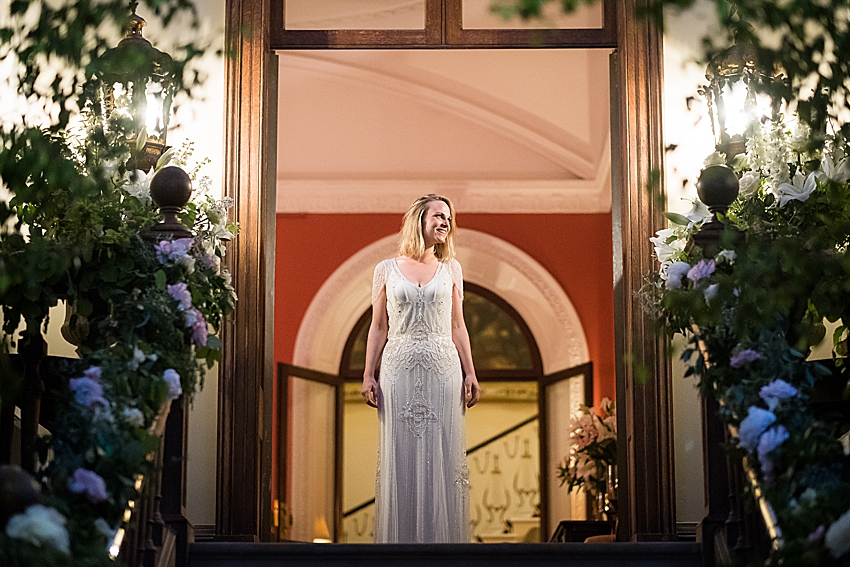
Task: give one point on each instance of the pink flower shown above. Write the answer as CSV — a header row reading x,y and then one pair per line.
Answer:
x,y
87,392
817,534
195,320
180,292
89,483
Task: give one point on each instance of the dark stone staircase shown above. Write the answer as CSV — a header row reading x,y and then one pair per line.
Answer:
x,y
460,555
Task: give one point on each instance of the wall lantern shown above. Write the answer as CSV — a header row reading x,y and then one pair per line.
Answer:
x,y
137,87
739,96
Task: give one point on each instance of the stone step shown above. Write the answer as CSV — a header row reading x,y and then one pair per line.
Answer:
x,y
654,554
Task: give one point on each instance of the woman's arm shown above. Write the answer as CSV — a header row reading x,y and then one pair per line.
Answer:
x,y
375,342
460,337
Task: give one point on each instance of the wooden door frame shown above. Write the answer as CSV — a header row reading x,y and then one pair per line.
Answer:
x,y
243,507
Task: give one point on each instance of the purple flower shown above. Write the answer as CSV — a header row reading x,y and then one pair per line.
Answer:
x,y
817,534
173,380
211,262
87,392
89,483
775,391
173,250
196,321
744,357
180,292
675,272
752,426
92,372
770,440
703,269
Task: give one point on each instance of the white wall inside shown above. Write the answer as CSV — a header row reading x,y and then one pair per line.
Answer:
x,y
686,125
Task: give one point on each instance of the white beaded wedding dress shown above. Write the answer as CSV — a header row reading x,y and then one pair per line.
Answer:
x,y
422,488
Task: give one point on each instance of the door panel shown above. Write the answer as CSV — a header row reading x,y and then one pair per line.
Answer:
x,y
559,397
309,444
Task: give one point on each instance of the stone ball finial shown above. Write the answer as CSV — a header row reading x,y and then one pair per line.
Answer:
x,y
170,189
717,187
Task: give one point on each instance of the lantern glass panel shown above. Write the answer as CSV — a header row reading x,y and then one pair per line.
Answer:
x,y
738,111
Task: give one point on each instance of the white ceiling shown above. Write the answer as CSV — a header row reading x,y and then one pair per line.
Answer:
x,y
496,130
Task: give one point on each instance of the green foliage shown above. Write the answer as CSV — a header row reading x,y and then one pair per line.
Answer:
x,y
74,230
807,39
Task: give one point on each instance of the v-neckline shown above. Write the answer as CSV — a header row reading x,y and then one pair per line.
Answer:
x,y
398,269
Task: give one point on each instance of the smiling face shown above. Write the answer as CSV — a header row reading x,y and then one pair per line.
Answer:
x,y
436,223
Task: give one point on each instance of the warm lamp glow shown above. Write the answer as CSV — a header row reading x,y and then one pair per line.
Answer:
x,y
321,532
136,94
738,97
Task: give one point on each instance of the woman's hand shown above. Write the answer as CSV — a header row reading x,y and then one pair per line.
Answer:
x,y
370,391
471,390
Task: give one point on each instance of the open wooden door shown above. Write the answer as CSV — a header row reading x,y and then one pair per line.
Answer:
x,y
559,396
308,453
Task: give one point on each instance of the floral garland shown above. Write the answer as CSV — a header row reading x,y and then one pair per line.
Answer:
x,y
751,306
594,449
164,302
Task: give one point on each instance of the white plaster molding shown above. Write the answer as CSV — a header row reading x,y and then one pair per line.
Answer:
x,y
487,261
463,101
472,196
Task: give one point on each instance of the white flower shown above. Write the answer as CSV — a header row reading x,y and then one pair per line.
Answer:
x,y
133,417
665,251
698,214
172,378
710,292
139,185
727,256
748,184
837,171
837,538
40,525
798,190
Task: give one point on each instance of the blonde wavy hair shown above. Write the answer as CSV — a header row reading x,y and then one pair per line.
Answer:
x,y
411,241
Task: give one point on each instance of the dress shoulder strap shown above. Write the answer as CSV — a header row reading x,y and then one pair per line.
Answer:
x,y
379,280
457,275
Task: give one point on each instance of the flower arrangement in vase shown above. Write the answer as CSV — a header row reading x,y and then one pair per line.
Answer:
x,y
593,453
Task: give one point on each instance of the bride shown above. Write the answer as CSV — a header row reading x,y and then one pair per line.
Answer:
x,y
427,381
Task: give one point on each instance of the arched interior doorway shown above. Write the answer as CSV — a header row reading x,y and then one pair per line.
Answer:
x,y
502,431
522,329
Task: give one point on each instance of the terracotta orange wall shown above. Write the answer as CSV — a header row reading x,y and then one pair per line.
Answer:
x,y
575,249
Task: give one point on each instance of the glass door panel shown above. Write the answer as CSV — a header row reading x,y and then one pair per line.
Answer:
x,y
478,15
561,394
354,14
309,443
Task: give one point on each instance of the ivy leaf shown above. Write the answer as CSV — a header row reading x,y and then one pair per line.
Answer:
x,y
214,342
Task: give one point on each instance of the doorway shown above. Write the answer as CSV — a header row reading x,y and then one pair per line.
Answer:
x,y
247,368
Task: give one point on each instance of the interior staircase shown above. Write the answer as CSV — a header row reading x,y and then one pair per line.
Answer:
x,y
647,554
